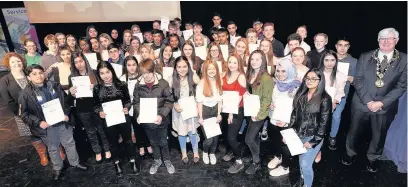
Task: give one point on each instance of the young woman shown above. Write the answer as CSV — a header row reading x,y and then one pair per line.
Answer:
x,y
86,48
130,73
241,47
95,46
260,83
300,60
312,109
267,47
214,35
127,36
37,92
31,56
194,61
215,54
183,86
84,106
285,89
59,72
165,58
134,49
135,29
150,85
146,52
174,41
104,41
111,89
234,80
115,36
91,32
71,42
61,39
209,98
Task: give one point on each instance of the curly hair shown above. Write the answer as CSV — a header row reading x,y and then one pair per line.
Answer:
x,y
7,56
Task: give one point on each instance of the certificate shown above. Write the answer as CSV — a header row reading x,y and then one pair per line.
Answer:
x,y
53,112
148,110
140,36
233,40
83,86
224,51
131,88
230,102
245,69
93,61
269,69
252,105
105,55
167,72
176,54
157,53
201,52
164,23
189,107
343,67
118,69
252,47
293,142
219,64
187,34
331,91
283,109
114,112
211,127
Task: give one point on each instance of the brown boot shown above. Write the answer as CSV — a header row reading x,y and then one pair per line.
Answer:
x,y
61,152
41,150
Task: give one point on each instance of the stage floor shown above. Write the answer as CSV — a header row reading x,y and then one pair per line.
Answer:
x,y
19,166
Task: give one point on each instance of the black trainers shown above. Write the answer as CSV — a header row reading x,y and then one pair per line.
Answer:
x,y
347,160
372,166
253,168
332,143
228,157
236,167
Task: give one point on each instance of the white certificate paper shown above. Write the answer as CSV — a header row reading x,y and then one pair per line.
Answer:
x,y
131,88
269,69
83,86
343,67
148,110
224,51
230,102
157,53
283,109
293,142
201,52
189,107
252,105
53,112
176,54
167,72
140,36
114,112
105,55
93,61
187,34
164,23
331,91
219,64
118,69
233,40
211,127
253,47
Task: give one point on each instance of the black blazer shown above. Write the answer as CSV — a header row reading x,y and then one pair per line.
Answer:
x,y
9,90
395,81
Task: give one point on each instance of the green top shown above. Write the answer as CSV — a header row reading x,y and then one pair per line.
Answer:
x,y
33,59
264,91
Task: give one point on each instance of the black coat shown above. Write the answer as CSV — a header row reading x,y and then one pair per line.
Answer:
x,y
31,111
314,123
314,58
9,90
161,91
102,94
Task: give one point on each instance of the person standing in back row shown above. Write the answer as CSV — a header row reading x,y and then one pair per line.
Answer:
x,y
320,41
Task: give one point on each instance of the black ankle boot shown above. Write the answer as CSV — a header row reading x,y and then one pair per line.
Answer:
x,y
135,167
57,174
118,169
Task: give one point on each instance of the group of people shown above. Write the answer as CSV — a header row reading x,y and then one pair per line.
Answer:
x,y
315,82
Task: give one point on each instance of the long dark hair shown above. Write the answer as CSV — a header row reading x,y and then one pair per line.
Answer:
x,y
194,59
105,64
176,79
87,31
90,44
125,71
334,71
89,71
263,69
314,104
161,56
76,43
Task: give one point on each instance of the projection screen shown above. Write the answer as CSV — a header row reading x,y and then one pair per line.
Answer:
x,y
100,11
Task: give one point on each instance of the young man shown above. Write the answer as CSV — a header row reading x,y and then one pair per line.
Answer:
x,y
293,42
173,30
157,38
342,47
31,100
223,37
320,41
217,22
188,26
51,56
174,42
148,37
197,29
268,33
177,21
252,36
257,25
198,40
302,32
114,55
233,35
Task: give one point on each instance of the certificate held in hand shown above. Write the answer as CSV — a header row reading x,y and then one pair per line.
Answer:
x,y
252,105
293,141
189,107
114,113
148,110
83,86
53,112
211,128
230,102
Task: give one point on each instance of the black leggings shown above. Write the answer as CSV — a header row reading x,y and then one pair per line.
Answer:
x,y
124,130
141,137
93,126
282,150
252,138
233,130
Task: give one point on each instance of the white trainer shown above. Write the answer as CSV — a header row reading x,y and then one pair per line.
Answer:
x,y
279,171
213,159
274,163
206,160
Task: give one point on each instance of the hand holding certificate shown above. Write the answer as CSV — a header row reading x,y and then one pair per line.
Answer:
x,y
252,105
187,34
201,52
283,109
189,107
113,113
167,72
211,127
293,141
148,110
83,86
343,67
230,102
118,69
53,112
105,55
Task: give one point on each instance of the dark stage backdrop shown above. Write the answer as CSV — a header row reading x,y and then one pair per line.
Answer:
x,y
358,21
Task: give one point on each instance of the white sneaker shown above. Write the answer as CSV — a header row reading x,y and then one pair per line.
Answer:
x,y
213,159
279,171
188,139
274,163
206,160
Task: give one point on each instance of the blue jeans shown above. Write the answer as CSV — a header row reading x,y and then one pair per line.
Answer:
x,y
244,124
306,161
337,117
183,142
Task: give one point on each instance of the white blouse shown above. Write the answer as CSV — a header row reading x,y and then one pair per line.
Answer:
x,y
207,101
338,86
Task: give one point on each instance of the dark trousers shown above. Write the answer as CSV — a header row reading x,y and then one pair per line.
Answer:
x,y
158,140
141,137
379,125
282,150
210,144
252,139
233,130
93,126
124,130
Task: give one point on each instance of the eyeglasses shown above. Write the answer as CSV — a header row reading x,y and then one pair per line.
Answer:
x,y
312,80
213,51
386,39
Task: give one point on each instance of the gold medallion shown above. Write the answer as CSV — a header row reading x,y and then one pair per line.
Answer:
x,y
379,83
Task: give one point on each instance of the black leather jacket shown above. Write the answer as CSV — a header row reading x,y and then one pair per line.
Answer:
x,y
102,94
312,124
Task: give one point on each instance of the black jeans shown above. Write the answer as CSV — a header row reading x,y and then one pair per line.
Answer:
x,y
158,140
210,144
93,124
252,138
233,130
141,137
282,150
124,130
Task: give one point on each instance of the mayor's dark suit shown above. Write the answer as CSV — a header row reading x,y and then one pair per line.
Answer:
x,y
395,80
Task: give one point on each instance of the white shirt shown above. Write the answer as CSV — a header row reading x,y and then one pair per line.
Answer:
x,y
207,101
381,55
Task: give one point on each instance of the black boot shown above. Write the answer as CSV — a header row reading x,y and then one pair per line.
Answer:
x,y
118,169
135,167
57,174
332,143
